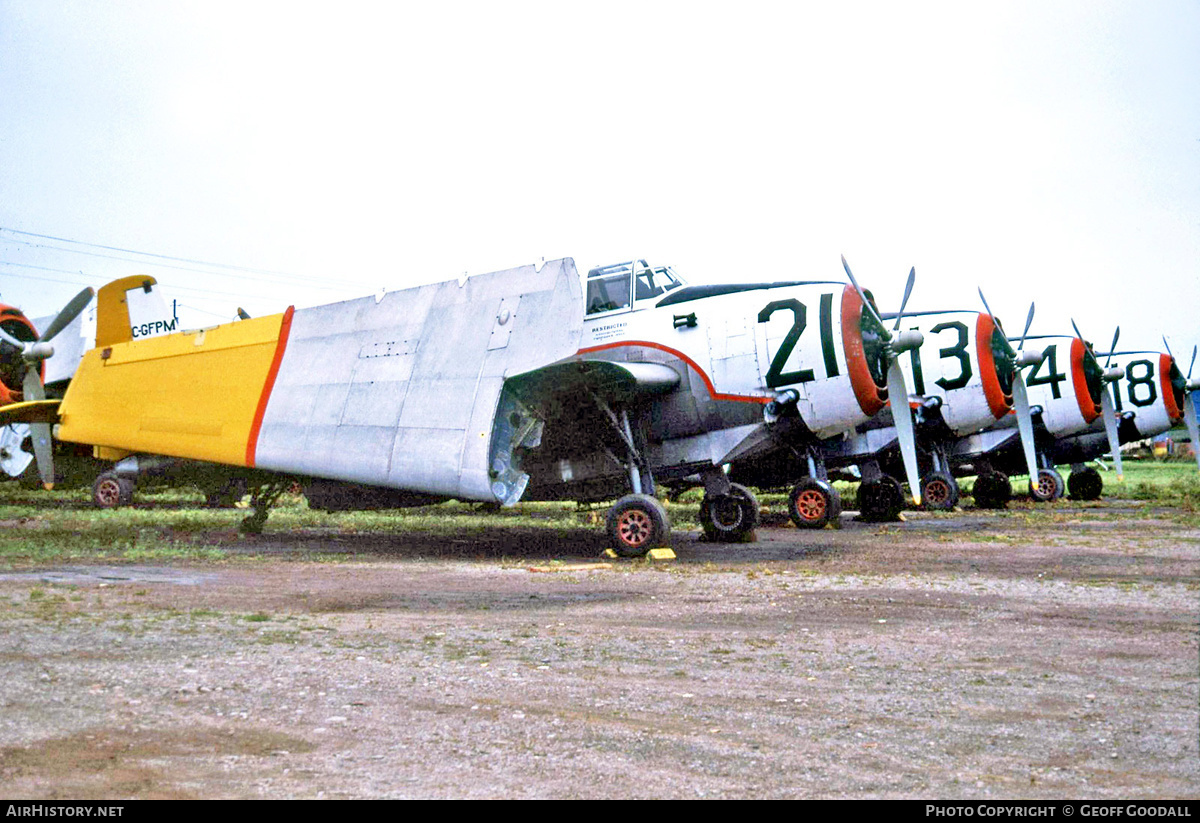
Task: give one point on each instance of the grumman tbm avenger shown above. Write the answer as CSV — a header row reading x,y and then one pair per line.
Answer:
x,y
523,384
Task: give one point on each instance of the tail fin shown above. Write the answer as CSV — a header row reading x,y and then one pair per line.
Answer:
x,y
130,309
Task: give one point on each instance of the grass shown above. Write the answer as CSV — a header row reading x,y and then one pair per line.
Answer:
x,y
39,527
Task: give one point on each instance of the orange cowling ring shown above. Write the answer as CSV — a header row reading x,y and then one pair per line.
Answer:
x,y
998,402
871,397
1174,413
1087,407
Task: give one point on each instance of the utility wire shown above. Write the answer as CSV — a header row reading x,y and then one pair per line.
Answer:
x,y
276,276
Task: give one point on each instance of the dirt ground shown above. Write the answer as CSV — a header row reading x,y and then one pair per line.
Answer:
x,y
1015,655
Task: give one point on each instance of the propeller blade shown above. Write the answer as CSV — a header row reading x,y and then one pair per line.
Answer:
x,y
1025,425
12,341
912,277
862,294
43,453
1087,347
1113,347
986,307
903,420
1189,415
1028,323
32,384
1189,376
1168,345
1109,410
70,312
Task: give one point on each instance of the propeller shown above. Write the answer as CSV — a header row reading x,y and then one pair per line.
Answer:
x,y
32,354
1108,409
1019,392
895,345
1189,406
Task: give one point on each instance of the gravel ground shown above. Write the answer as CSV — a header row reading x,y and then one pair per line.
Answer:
x,y
951,656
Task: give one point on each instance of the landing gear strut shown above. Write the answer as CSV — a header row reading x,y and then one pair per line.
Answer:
x,y
262,497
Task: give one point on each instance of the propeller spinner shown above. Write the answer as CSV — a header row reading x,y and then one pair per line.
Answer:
x,y
895,345
32,354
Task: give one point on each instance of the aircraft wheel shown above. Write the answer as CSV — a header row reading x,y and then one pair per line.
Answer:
x,y
992,490
729,518
1085,484
227,495
636,524
813,503
1049,486
939,491
110,491
880,501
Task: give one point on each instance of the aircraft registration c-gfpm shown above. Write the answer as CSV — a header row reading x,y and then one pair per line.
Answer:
x,y
525,384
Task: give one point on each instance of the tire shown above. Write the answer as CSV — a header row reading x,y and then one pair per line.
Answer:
x,y
636,524
1085,484
880,501
992,490
729,518
227,495
812,504
939,491
111,491
1049,486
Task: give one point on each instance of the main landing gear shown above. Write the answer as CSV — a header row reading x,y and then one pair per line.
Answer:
x,y
1085,483
813,503
880,500
939,491
992,490
1049,486
729,516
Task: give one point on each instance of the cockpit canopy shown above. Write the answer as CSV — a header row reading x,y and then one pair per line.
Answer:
x,y
616,287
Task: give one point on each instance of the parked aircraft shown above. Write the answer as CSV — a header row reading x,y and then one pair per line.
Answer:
x,y
1151,397
970,378
513,385
1067,394
23,355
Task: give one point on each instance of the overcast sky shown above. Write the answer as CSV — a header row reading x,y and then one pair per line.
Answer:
x,y
1044,150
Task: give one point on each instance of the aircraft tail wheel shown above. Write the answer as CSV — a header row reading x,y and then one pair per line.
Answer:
x,y
729,518
939,491
992,490
110,491
813,503
636,524
1085,484
880,501
1049,486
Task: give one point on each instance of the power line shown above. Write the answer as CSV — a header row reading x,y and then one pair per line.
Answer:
x,y
279,276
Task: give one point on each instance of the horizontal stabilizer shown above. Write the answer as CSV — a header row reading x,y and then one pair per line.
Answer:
x,y
34,411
